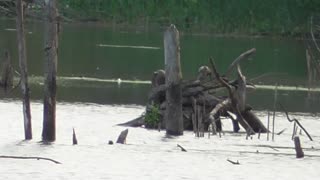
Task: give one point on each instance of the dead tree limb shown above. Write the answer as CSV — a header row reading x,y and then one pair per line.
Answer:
x,y
35,157
296,121
233,99
219,106
233,162
312,34
242,56
182,149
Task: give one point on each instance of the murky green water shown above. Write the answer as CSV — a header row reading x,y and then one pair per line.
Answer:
x,y
86,51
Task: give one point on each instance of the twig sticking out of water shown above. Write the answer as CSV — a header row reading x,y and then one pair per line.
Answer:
x,y
294,130
283,130
74,137
233,162
296,121
274,110
268,126
24,157
182,149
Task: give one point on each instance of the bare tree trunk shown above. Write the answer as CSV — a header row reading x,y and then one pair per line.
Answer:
x,y
173,115
6,81
23,70
51,59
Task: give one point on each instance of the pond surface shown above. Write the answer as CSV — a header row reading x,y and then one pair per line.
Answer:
x,y
96,54
93,57
149,154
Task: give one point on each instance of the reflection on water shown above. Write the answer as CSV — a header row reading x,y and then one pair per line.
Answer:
x,y
98,52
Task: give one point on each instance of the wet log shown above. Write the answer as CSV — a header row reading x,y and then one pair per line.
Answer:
x,y
173,115
122,137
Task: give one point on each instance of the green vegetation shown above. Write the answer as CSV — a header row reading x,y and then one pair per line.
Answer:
x,y
285,17
152,117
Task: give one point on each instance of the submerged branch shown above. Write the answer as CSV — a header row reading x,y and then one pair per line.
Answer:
x,y
35,157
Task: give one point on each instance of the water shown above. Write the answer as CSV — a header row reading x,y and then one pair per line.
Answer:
x,y
91,60
148,153
89,51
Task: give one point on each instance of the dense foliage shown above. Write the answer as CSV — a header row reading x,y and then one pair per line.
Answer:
x,y
152,117
245,16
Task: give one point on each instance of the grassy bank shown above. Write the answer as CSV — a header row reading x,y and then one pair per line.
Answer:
x,y
285,17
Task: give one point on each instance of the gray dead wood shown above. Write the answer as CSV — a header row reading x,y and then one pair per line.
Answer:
x,y
74,137
25,157
23,69
51,62
242,56
173,113
296,121
233,99
297,145
233,162
137,122
182,149
122,137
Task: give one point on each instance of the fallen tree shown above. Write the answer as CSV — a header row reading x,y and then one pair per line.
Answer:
x,y
201,105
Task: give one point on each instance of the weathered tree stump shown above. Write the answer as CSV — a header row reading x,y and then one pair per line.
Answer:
x,y
173,113
23,69
51,62
74,137
298,148
122,137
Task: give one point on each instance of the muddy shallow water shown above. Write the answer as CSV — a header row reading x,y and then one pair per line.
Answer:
x,y
148,154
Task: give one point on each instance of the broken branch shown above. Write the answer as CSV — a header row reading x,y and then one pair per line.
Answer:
x,y
295,120
24,157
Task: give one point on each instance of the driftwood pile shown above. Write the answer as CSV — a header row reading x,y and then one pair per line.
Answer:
x,y
203,102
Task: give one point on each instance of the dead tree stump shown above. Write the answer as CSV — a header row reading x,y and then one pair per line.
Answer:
x,y
23,70
122,137
74,137
51,61
173,113
297,145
